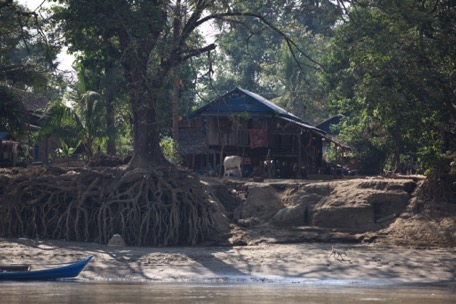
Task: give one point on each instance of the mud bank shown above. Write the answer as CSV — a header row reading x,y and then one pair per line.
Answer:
x,y
360,210
273,263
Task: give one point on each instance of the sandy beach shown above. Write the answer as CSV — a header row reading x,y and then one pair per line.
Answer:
x,y
269,263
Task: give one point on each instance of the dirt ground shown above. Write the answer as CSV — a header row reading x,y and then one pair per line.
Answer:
x,y
423,223
269,263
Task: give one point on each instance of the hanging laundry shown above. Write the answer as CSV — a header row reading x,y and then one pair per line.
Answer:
x,y
258,138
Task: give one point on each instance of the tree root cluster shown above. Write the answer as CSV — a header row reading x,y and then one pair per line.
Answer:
x,y
166,206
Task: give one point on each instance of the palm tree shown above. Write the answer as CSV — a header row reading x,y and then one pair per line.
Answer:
x,y
91,117
83,124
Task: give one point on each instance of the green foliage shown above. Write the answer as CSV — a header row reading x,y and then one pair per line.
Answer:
x,y
25,56
25,63
369,152
91,113
431,157
12,112
170,150
62,122
68,151
300,88
387,66
127,51
73,126
257,58
388,71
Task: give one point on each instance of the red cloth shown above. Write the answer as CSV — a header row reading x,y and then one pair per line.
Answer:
x,y
258,138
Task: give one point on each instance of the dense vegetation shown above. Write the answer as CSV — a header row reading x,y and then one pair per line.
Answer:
x,y
392,76
387,68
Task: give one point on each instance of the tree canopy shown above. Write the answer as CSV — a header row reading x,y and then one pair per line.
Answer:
x,y
140,36
386,66
391,74
25,62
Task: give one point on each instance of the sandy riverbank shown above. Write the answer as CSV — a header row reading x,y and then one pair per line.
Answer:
x,y
274,263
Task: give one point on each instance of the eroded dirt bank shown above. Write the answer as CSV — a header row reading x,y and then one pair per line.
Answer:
x,y
87,204
284,231
361,210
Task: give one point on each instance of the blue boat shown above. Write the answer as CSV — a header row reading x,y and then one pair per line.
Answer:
x,y
23,272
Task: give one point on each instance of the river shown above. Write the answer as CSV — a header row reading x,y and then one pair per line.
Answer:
x,y
167,293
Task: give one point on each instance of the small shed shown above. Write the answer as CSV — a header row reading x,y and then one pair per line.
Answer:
x,y
273,142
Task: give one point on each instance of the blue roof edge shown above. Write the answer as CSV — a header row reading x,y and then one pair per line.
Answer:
x,y
280,112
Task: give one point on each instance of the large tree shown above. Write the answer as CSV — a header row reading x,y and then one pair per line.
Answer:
x,y
260,60
138,31
150,202
391,76
141,32
25,62
98,71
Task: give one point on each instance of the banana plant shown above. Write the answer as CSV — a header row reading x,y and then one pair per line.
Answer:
x,y
68,151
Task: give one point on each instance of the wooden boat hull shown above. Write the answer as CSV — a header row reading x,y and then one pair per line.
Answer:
x,y
68,271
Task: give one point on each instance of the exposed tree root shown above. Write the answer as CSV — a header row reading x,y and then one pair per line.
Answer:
x,y
166,206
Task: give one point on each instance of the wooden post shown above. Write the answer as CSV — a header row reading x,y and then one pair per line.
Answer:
x,y
306,155
299,175
337,159
214,161
221,158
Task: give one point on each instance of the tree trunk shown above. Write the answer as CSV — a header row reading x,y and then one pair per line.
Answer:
x,y
176,74
397,154
143,97
144,89
176,104
146,141
111,142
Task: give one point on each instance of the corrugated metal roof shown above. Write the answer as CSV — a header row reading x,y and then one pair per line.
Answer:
x,y
260,108
275,108
34,102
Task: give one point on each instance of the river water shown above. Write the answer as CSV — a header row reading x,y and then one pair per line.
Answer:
x,y
161,293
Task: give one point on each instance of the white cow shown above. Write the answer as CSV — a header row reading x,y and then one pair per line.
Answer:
x,y
232,162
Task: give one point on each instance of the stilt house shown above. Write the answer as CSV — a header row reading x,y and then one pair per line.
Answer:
x,y
273,142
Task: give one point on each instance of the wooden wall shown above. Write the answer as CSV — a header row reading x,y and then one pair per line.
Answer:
x,y
223,131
